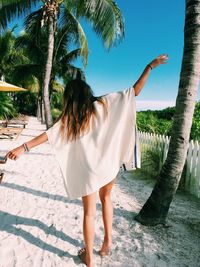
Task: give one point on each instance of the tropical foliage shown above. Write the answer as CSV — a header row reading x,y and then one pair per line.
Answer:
x,y
195,130
160,121
30,60
7,109
151,159
26,102
148,121
35,66
103,15
9,56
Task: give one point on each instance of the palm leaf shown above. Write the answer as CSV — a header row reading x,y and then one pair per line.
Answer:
x,y
71,56
71,72
6,44
28,70
6,106
9,9
75,31
35,51
105,18
57,87
32,23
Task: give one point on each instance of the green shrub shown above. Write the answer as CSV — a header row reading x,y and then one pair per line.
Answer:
x,y
55,113
152,158
160,121
148,122
195,130
56,100
26,102
56,104
7,109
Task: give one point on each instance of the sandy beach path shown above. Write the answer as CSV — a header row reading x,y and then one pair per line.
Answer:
x,y
40,227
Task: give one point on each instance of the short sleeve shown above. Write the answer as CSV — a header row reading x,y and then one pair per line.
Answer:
x,y
123,100
130,92
129,95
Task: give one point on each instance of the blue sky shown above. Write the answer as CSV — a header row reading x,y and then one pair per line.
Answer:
x,y
151,28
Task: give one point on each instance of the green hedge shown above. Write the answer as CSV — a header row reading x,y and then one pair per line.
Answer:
x,y
160,121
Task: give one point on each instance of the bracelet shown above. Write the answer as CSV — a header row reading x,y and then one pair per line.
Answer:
x,y
26,148
150,66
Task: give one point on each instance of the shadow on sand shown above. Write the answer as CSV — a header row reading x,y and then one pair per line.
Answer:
x,y
9,222
128,215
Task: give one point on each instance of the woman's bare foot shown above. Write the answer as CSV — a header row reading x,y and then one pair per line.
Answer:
x,y
105,250
83,257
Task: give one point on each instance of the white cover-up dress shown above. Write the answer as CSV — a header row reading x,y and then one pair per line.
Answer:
x,y
94,159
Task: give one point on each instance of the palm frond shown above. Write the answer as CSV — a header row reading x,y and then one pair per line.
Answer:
x,y
35,51
25,71
62,42
71,72
75,31
9,9
6,43
71,56
32,23
105,18
7,110
32,84
57,86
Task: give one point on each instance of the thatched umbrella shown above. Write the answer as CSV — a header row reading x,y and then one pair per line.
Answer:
x,y
7,87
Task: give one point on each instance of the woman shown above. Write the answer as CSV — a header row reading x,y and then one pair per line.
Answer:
x,y
91,139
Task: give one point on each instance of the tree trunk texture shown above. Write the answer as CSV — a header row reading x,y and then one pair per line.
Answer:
x,y
39,113
43,112
156,208
48,68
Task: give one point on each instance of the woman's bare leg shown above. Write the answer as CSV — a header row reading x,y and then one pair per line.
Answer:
x,y
107,213
89,208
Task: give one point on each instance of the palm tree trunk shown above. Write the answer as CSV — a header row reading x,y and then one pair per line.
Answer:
x,y
43,112
48,68
38,112
156,208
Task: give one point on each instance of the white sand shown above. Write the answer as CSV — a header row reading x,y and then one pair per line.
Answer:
x,y
39,226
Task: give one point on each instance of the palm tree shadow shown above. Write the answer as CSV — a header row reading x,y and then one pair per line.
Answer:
x,y
117,210
34,129
30,135
39,153
9,221
40,193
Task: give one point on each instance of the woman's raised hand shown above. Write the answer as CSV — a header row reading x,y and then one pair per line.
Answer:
x,y
162,59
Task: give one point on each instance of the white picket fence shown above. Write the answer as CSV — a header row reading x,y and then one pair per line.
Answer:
x,y
192,174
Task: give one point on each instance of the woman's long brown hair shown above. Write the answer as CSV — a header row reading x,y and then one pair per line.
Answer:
x,y
78,109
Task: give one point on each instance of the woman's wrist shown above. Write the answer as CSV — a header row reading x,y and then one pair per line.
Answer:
x,y
22,148
25,147
150,66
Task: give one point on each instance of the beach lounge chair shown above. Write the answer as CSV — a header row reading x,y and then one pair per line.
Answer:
x,y
13,122
10,132
21,120
1,176
2,161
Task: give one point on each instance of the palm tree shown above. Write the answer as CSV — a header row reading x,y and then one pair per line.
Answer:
x,y
103,15
9,57
33,69
156,208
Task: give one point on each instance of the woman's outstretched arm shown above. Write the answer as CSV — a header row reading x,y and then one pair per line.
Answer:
x,y
143,78
16,152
